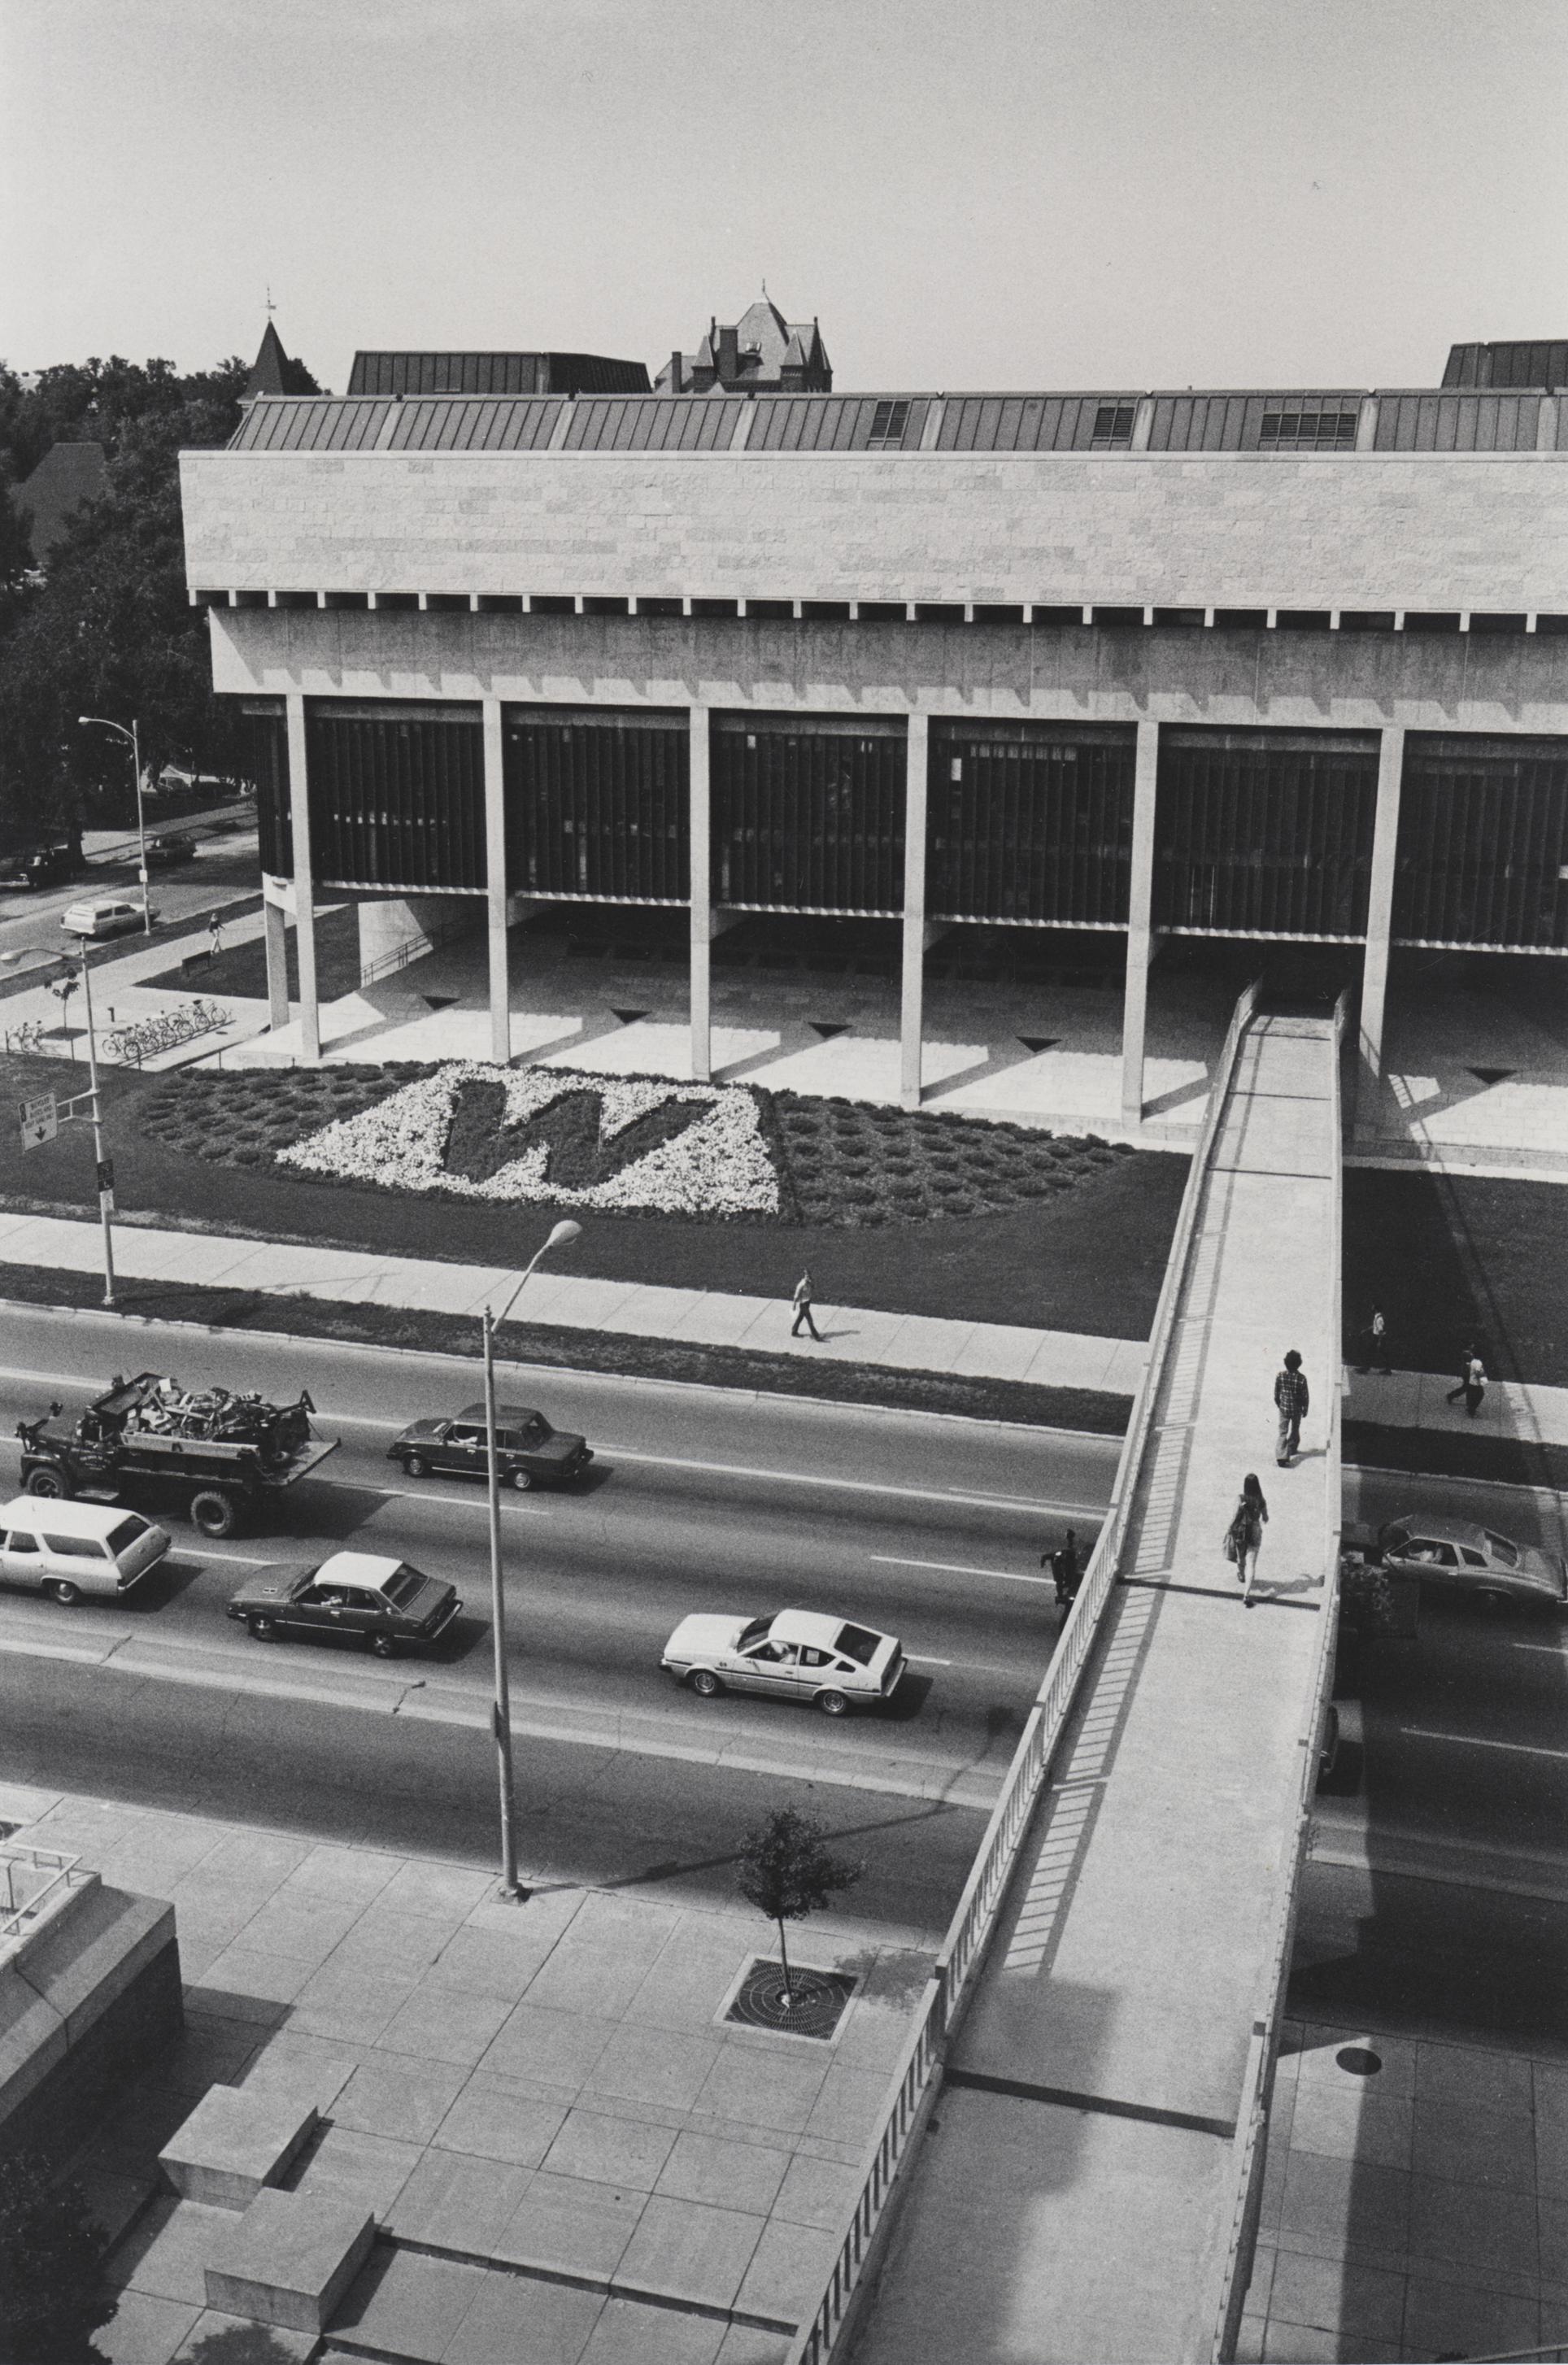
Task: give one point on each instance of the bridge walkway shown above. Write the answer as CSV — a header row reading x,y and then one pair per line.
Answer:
x,y
1075,2195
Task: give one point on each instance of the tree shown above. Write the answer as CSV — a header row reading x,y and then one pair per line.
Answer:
x,y
108,629
787,1871
52,2295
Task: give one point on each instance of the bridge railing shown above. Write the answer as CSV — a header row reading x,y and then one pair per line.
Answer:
x,y
915,2081
1252,2118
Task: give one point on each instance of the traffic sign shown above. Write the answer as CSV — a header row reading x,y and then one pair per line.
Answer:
x,y
106,1175
40,1122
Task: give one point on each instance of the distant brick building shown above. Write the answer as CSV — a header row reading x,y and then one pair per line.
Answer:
x,y
763,353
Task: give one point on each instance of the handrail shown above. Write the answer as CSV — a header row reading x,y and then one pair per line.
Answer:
x,y
1252,2117
974,1916
13,1916
412,949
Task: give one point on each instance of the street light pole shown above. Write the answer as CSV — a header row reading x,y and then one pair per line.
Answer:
x,y
133,735
105,1194
500,1713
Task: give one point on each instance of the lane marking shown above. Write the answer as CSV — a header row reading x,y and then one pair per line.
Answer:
x,y
922,1659
1476,1741
1553,1650
958,1568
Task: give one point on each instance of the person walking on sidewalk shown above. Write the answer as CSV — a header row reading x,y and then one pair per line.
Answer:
x,y
1292,1398
1374,1344
804,1293
1244,1536
1063,1566
1471,1382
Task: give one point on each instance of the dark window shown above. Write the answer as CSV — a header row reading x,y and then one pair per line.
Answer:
x,y
75,1547
858,1643
397,796
1482,843
808,815
1264,832
888,424
126,1532
267,754
1308,430
1030,822
1113,425
402,1585
596,804
20,1541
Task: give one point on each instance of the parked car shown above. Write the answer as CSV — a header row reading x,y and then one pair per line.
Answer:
x,y
173,847
527,1450
68,1549
790,1654
1468,1557
108,917
384,1603
44,866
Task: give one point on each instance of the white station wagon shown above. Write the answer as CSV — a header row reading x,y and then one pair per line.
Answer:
x,y
791,1654
106,918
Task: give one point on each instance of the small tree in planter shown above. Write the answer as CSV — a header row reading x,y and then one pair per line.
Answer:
x,y
787,1871
53,2297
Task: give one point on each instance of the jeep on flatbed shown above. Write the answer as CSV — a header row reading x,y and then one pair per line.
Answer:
x,y
225,1454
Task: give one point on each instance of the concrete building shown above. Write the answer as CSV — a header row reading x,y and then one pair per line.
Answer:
x,y
1124,667
761,354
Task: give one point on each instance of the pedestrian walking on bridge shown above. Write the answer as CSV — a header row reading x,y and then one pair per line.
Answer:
x,y
1244,1536
1292,1398
1064,1568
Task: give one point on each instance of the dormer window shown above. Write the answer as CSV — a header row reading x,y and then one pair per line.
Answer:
x,y
888,424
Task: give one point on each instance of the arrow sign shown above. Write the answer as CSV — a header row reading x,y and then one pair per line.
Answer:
x,y
40,1122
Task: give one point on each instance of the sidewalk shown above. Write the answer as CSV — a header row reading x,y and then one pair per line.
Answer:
x,y
1064,1358
569,2150
699,1317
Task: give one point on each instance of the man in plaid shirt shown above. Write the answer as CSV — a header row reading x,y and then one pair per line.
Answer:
x,y
1291,1396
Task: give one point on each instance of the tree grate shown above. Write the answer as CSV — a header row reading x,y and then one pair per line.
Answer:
x,y
819,1999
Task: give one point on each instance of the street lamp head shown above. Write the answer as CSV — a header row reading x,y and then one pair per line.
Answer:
x,y
563,1235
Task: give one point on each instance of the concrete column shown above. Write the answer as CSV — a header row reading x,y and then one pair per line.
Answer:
x,y
702,894
304,883
275,931
496,879
911,1003
1140,930
1380,918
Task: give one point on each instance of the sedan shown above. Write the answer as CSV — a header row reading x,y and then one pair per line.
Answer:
x,y
46,866
790,1654
529,1452
382,1603
1471,1558
105,919
174,846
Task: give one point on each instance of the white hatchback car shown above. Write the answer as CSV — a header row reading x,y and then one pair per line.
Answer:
x,y
111,917
68,1549
791,1654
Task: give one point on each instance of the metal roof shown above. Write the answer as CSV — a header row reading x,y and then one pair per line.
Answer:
x,y
1285,422
1541,363
495,373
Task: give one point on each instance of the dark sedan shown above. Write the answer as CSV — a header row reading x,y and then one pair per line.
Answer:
x,y
174,846
379,1602
527,1450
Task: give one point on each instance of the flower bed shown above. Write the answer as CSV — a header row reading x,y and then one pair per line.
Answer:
x,y
619,1145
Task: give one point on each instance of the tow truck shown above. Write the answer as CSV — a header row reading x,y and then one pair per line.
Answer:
x,y
227,1455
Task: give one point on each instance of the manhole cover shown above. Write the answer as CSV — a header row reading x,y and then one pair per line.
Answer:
x,y
815,2003
1359,2061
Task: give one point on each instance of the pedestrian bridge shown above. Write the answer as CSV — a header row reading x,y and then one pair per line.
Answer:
x,y
1073,2154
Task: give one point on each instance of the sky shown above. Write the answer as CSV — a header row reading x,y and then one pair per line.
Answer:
x,y
967,192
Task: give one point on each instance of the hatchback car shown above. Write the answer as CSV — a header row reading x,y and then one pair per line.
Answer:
x,y
529,1452
790,1654
382,1603
1469,1558
108,918
67,1550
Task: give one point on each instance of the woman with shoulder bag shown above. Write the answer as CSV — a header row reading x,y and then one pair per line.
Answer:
x,y
1244,1536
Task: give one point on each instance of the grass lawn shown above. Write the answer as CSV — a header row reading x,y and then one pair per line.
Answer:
x,y
1089,1258
1452,1258
242,968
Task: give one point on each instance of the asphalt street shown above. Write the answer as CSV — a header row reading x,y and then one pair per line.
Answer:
x,y
224,868
1436,1898
698,1499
